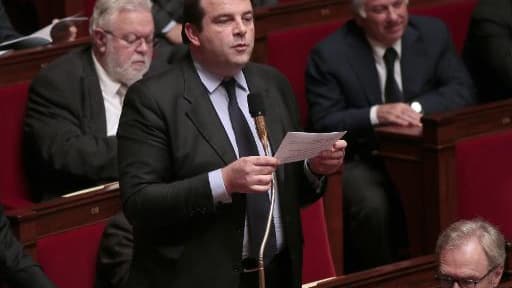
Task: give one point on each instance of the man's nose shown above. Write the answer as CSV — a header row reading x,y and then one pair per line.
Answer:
x,y
240,27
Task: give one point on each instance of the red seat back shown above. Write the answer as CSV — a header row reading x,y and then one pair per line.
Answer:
x,y
484,182
288,51
455,14
13,190
69,258
88,7
317,261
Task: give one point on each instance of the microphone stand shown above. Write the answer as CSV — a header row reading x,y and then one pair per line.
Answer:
x,y
261,265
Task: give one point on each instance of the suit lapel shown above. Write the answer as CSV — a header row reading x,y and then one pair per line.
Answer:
x,y
413,56
363,64
93,107
203,115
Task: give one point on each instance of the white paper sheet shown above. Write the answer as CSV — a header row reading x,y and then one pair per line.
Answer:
x,y
298,146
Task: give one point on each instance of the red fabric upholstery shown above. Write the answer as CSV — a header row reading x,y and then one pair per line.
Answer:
x,y
88,7
317,262
455,15
13,192
484,182
288,51
69,258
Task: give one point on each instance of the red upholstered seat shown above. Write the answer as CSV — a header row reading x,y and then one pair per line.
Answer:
x,y
13,191
455,14
317,262
88,7
288,50
69,258
484,179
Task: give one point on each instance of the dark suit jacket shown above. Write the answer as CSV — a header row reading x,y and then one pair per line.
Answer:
x,y
66,147
115,253
6,30
170,137
17,268
488,49
342,80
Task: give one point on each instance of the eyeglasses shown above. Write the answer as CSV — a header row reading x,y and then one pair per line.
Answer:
x,y
134,40
446,281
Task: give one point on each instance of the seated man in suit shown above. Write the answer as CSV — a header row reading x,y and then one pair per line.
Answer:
x,y
381,68
487,49
470,253
16,268
75,102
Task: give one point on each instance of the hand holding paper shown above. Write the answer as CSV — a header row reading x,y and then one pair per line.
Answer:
x,y
298,146
324,150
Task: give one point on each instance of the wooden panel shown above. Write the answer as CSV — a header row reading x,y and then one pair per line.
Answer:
x,y
63,214
422,164
417,272
23,65
333,203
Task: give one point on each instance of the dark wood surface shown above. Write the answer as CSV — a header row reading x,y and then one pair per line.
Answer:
x,y
417,272
23,65
62,214
333,205
421,162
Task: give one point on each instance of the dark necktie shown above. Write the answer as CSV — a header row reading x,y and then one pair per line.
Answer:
x,y
391,91
257,204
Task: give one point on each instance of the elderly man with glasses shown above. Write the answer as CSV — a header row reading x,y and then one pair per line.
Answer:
x,y
75,102
471,253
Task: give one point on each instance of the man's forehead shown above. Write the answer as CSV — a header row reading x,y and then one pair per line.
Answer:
x,y
380,2
132,21
217,7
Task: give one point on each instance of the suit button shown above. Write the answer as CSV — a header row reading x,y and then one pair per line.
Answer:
x,y
237,269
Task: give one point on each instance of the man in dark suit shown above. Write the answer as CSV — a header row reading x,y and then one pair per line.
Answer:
x,y
16,268
7,32
381,68
187,181
75,102
488,47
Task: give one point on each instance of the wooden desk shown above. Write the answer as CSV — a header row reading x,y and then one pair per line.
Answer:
x,y
23,65
422,165
62,214
414,273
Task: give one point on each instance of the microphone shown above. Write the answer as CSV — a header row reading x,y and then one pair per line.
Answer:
x,y
257,111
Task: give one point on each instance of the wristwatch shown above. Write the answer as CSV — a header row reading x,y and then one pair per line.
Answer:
x,y
416,106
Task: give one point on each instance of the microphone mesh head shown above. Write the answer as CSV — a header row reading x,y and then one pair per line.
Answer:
x,y
256,104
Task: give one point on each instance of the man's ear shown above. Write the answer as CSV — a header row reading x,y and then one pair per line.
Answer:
x,y
496,276
99,39
192,34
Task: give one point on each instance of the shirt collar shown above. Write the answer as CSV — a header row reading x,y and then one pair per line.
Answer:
x,y
211,81
379,49
108,85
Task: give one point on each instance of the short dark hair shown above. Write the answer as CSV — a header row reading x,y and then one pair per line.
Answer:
x,y
193,13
